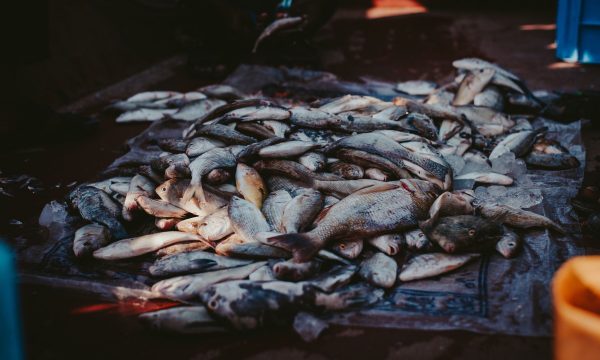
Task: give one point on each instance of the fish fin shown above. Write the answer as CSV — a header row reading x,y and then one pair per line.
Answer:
x,y
303,246
375,189
194,190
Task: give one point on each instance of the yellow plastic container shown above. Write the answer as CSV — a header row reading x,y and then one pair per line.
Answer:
x,y
576,291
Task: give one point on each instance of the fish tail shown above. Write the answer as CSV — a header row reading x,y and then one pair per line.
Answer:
x,y
303,245
194,190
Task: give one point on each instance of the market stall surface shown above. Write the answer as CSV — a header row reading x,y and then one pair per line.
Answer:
x,y
62,325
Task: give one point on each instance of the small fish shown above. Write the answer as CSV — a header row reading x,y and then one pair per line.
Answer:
x,y
144,115
182,248
518,143
182,320
187,287
139,186
250,185
225,134
128,248
246,219
193,262
90,238
376,174
213,159
172,145
255,113
349,103
347,171
293,271
278,128
166,223
422,124
490,97
97,206
552,161
255,130
449,204
416,240
478,64
147,96
379,270
486,178
472,84
199,145
516,217
366,159
429,265
335,278
314,161
314,118
277,26
510,244
197,109
301,211
416,87
172,166
464,233
287,149
160,208
349,249
236,247
389,244
222,91
274,206
215,226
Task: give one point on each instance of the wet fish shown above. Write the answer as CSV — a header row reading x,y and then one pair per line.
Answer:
x,y
490,97
314,161
255,113
196,109
224,134
172,166
160,208
515,217
172,145
166,223
464,233
255,130
552,161
250,152
335,278
182,320
416,87
348,249
416,240
193,262
277,26
518,143
422,124
479,64
314,118
199,145
473,84
97,206
389,244
347,171
173,190
182,248
510,244
486,178
236,247
89,238
250,185
301,211
147,96
264,273
349,103
213,159
429,265
222,91
132,247
187,287
293,271
139,186
215,226
273,208
449,204
144,115
379,270
287,149
279,128
366,159
218,176
246,219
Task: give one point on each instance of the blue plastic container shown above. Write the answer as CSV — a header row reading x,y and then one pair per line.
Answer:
x,y
10,330
578,31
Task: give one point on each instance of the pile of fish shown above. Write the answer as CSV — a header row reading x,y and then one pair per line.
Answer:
x,y
265,208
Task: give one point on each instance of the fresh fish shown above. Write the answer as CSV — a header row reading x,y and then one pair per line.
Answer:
x,y
193,262
464,233
367,213
314,118
361,124
246,219
516,217
255,130
173,190
215,226
262,274
224,134
218,176
366,159
128,248
139,186
196,109
119,188
166,223
335,278
379,270
277,26
376,174
182,248
482,116
255,113
149,96
472,84
449,204
97,206
314,161
486,178
301,211
250,152
510,243
236,247
518,143
490,97
250,185
188,287
287,149
416,240
293,271
274,206
400,136
199,145
213,159
90,238
222,91
172,145
348,249
279,128
182,320
479,64
429,265
389,244
349,103
160,208
347,171
144,115
172,166
552,161
422,124
416,87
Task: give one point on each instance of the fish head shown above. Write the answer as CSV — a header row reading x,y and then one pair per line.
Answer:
x,y
457,233
508,247
348,249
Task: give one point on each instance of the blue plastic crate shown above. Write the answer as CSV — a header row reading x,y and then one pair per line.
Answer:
x,y
10,343
578,31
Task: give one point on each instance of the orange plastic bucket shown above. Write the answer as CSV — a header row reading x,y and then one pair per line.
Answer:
x,y
576,290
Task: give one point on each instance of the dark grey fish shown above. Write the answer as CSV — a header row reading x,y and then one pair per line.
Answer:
x,y
464,233
293,271
97,206
225,134
193,262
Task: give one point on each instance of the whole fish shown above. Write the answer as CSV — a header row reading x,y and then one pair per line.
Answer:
x,y
287,149
314,118
222,91
224,134
366,213
236,247
349,103
449,204
379,270
128,248
293,271
97,206
479,64
365,159
182,248
218,176
401,136
314,161
361,124
250,184
274,206
416,87
486,178
518,143
552,161
335,278
182,320
348,248
215,226
416,240
464,233
202,165
250,152
173,190
490,97
429,265
278,128
422,124
301,211
196,109
144,115
472,84
255,113
277,26
90,238
187,287
376,174
172,145
139,186
160,208
347,171
389,244
255,130
193,262
262,274
172,166
199,145
246,219
516,217
510,244
149,96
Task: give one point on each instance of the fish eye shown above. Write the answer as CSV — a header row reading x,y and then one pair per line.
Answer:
x,y
213,303
471,232
511,244
342,246
164,189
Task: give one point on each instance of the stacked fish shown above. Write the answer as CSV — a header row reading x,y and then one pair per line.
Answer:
x,y
264,208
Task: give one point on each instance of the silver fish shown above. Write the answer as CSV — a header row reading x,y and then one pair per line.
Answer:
x,y
516,217
349,249
160,208
314,161
199,145
250,184
301,211
287,149
274,206
277,26
139,186
389,244
379,270
246,219
193,262
141,245
429,265
90,238
510,244
236,247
